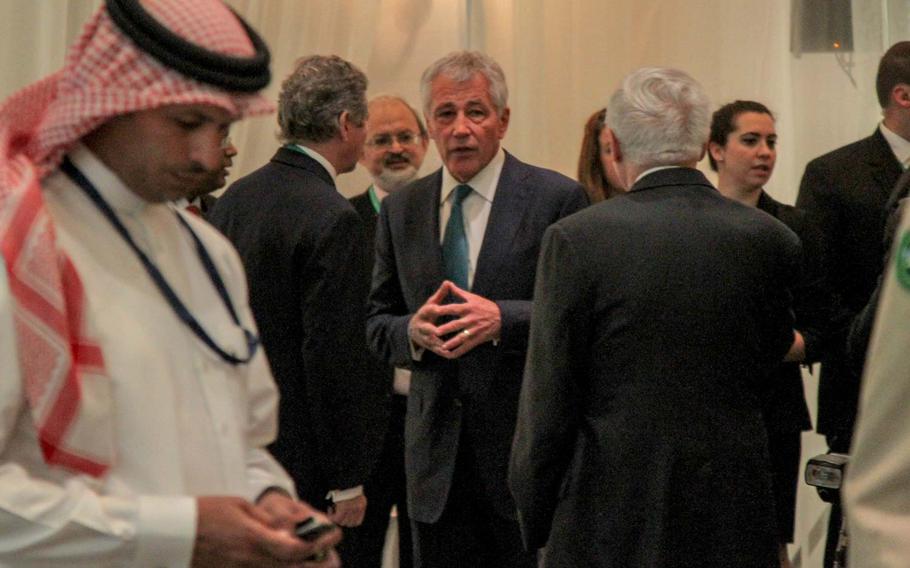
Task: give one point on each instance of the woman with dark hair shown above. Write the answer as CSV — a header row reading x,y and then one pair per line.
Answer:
x,y
595,164
742,149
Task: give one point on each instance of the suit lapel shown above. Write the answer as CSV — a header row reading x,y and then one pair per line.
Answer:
x,y
509,206
422,230
884,166
671,176
298,159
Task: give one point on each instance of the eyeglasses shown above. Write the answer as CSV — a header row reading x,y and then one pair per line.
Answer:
x,y
386,140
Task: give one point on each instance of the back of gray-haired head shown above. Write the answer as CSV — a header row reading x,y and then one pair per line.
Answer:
x,y
314,96
660,116
460,66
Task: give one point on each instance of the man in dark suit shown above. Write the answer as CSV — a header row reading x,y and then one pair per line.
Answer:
x,y
394,151
456,254
846,192
640,440
303,248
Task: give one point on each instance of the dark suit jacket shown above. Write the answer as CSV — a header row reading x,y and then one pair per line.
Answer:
x,y
785,408
861,327
302,245
640,442
207,203
845,192
472,399
364,207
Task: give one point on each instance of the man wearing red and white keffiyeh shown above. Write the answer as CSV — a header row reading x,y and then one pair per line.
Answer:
x,y
132,421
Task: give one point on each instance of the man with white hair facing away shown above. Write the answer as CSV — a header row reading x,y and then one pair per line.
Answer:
x,y
640,441
134,410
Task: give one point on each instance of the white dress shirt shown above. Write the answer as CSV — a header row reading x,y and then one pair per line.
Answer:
x,y
185,422
475,208
898,144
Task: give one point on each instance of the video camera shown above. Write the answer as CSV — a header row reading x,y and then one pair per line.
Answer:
x,y
825,472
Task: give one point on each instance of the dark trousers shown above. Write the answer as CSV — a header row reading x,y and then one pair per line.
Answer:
x,y
784,448
469,534
362,546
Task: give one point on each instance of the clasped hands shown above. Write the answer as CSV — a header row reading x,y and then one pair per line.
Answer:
x,y
476,321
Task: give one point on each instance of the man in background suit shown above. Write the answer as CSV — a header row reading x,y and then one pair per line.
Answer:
x,y
303,247
394,151
846,192
640,440
458,314
200,199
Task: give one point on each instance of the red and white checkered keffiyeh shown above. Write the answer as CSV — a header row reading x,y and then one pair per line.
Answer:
x,y
105,75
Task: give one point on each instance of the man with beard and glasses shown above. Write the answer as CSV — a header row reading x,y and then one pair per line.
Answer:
x,y
394,151
134,409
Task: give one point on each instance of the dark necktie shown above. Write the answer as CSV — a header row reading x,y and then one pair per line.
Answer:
x,y
455,241
194,209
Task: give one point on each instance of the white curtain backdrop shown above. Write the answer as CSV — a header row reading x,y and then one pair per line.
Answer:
x,y
562,59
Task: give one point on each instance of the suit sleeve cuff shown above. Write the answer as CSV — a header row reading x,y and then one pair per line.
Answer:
x,y
344,494
166,531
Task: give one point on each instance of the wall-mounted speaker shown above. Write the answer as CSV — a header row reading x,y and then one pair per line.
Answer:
x,y
821,26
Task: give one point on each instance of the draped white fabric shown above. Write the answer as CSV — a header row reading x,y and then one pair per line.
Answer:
x,y
562,58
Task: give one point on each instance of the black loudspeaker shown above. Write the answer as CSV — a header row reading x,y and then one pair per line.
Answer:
x,y
821,26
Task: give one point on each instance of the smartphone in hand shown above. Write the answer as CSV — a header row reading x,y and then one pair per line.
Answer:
x,y
312,528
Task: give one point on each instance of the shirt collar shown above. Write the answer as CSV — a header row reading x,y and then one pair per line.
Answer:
x,y
651,171
899,145
484,183
319,158
116,193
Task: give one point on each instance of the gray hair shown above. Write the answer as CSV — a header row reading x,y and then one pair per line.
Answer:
x,y
460,66
398,98
660,116
315,94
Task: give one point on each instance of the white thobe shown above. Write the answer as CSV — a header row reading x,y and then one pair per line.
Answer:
x,y
185,422
877,487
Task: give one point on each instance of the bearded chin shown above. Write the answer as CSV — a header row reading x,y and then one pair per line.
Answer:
x,y
391,180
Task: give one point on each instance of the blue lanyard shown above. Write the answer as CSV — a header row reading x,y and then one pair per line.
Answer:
x,y
179,308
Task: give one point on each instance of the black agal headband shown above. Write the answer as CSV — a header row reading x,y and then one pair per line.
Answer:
x,y
241,74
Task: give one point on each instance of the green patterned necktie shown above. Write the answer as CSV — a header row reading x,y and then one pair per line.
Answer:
x,y
455,241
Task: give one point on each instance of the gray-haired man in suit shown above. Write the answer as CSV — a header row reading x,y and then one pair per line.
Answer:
x,y
302,245
451,299
640,440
